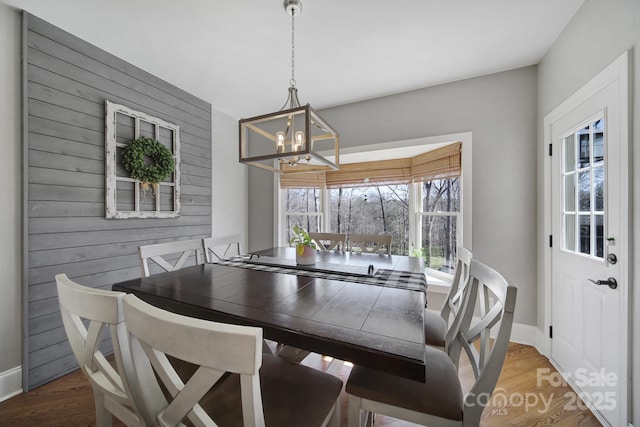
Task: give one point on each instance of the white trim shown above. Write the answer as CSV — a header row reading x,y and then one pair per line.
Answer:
x,y
520,333
525,334
617,71
10,383
438,288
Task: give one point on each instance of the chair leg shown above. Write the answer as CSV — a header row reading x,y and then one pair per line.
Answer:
x,y
336,418
103,417
354,412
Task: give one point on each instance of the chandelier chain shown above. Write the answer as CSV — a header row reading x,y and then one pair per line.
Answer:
x,y
292,82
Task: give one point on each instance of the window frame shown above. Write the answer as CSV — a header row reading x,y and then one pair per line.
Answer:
x,y
419,214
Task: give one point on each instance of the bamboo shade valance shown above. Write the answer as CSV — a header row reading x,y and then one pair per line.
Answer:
x,y
396,171
441,163
302,180
445,162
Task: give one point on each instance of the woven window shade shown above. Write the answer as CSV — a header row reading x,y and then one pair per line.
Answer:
x,y
445,162
302,180
395,171
442,163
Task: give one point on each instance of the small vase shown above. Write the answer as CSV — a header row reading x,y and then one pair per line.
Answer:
x,y
305,255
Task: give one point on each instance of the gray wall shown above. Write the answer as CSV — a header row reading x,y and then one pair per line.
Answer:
x,y
10,188
598,34
500,111
67,82
229,207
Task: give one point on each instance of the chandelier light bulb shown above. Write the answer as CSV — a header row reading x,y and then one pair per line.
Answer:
x,y
280,141
299,140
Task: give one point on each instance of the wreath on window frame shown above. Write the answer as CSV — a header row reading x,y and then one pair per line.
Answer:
x,y
133,156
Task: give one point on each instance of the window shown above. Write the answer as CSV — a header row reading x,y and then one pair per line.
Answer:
x,y
376,209
417,199
302,206
439,214
583,189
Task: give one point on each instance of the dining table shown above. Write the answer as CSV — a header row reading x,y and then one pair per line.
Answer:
x,y
367,309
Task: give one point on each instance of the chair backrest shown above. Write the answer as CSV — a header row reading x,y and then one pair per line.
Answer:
x,y
454,300
86,313
370,243
330,241
215,348
159,252
221,248
495,300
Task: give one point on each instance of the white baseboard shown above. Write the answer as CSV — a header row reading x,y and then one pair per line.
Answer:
x,y
10,383
524,334
520,333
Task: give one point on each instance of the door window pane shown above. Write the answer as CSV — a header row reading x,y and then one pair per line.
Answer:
x,y
584,154
599,229
569,153
584,191
570,232
570,192
598,183
598,141
585,234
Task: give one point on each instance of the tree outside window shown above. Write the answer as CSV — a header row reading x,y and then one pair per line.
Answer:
x,y
439,229
302,208
375,209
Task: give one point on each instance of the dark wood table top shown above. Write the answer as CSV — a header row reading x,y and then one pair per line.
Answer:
x,y
375,326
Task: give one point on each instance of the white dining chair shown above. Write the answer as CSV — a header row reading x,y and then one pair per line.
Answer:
x,y
437,326
161,254
439,401
88,313
370,243
234,384
222,248
330,241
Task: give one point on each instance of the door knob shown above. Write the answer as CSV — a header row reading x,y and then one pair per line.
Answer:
x,y
610,282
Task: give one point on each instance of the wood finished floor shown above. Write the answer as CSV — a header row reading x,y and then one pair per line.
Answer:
x,y
68,401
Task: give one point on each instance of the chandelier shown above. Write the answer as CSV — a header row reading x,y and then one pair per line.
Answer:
x,y
293,139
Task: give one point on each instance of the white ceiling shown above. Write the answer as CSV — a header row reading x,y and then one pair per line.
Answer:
x,y
236,54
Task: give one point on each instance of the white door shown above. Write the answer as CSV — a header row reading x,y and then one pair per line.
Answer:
x,y
589,254
589,198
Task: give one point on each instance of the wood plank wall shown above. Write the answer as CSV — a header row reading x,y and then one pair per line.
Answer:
x,y
66,83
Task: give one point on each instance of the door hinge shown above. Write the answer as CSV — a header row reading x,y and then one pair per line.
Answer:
x,y
550,240
550,332
551,149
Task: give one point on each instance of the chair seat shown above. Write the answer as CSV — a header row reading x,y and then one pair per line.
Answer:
x,y
435,329
440,395
311,392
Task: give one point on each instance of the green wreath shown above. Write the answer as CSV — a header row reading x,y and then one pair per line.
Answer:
x,y
133,160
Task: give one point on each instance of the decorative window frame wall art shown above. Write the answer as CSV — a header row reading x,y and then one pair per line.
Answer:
x,y
127,197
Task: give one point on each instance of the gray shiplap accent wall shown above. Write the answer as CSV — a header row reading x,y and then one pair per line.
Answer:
x,y
66,83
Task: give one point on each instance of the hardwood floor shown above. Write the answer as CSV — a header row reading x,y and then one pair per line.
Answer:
x,y
68,401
